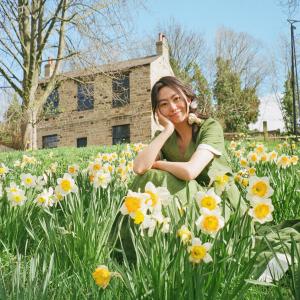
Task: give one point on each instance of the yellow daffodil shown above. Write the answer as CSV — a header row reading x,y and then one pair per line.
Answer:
x,y
3,170
73,169
253,157
101,179
251,171
102,276
220,183
28,180
243,162
294,159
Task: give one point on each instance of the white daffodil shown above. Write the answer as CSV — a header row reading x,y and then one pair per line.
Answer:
x,y
3,170
261,210
95,166
259,188
209,199
294,159
133,203
159,196
16,198
13,188
73,169
101,179
210,221
150,224
253,157
272,155
66,185
199,252
166,225
28,180
41,181
45,198
283,161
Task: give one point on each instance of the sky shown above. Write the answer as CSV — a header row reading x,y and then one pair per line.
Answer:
x,y
265,20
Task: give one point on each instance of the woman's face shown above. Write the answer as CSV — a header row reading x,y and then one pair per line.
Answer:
x,y
172,105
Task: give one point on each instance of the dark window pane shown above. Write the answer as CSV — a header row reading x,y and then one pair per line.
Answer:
x,y
50,141
120,90
85,96
121,134
81,142
52,102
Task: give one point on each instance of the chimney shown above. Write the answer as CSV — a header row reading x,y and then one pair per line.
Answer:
x,y
162,46
49,67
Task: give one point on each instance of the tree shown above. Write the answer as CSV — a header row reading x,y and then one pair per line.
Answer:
x,y
287,104
31,31
235,107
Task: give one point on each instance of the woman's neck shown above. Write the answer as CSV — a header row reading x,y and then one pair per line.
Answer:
x,y
184,130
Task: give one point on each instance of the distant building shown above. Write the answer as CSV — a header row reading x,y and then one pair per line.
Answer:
x,y
104,106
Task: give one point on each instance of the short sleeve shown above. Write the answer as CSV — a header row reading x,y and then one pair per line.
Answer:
x,y
211,137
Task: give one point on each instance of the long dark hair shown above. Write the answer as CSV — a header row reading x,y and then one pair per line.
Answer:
x,y
182,89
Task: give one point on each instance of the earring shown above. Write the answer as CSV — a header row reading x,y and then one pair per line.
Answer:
x,y
193,119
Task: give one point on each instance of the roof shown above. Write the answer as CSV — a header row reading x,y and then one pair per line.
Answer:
x,y
113,67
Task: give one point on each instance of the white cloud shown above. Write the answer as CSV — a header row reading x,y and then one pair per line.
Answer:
x,y
269,111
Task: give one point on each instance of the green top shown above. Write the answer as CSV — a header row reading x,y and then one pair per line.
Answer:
x,y
210,136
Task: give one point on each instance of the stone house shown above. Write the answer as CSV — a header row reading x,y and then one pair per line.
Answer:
x,y
112,106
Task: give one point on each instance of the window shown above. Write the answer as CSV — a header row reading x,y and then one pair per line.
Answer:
x,y
50,141
52,102
85,96
81,142
120,90
120,134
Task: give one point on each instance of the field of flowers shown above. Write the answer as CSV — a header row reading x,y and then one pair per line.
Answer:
x,y
70,228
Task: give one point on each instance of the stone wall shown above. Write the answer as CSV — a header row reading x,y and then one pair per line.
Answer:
x,y
96,124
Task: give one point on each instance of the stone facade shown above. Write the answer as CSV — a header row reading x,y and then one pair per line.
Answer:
x,y
96,124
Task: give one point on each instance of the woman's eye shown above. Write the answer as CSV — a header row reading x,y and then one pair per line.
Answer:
x,y
162,104
176,99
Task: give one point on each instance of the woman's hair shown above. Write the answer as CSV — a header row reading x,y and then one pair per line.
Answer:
x,y
181,88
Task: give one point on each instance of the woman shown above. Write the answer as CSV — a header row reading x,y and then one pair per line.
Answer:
x,y
188,151
192,154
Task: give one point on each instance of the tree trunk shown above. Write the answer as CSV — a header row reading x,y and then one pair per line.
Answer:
x,y
29,130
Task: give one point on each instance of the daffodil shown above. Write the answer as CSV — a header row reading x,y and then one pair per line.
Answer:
x,y
17,197
283,161
294,159
199,252
238,153
3,170
273,155
158,196
210,221
253,157
66,185
102,276
45,198
233,145
95,166
264,157
243,162
134,203
261,210
101,179
73,169
28,180
220,183
209,199
259,149
13,188
259,188
251,171
184,234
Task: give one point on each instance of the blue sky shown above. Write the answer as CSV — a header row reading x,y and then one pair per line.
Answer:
x,y
265,20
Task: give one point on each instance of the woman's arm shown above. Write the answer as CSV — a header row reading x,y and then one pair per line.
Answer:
x,y
147,157
186,170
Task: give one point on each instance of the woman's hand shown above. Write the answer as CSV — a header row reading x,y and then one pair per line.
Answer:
x,y
163,121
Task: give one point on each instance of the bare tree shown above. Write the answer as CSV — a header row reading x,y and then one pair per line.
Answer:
x,y
31,31
244,54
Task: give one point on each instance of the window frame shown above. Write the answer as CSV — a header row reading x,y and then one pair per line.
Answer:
x,y
125,138
117,88
85,100
50,136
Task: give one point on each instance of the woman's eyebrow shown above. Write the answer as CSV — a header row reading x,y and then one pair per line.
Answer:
x,y
173,96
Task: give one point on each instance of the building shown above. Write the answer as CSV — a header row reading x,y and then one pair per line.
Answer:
x,y
106,106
